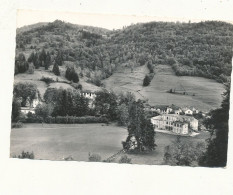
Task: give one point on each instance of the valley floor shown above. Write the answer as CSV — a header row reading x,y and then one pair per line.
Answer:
x,y
58,141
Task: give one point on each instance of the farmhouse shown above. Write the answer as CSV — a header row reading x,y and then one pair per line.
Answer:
x,y
179,124
162,109
26,110
178,111
30,107
90,96
187,111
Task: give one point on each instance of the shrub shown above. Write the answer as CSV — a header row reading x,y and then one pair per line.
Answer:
x,y
150,67
32,118
75,120
77,86
146,81
26,155
94,157
171,61
47,80
17,125
97,82
72,75
43,110
69,158
125,159
31,69
80,86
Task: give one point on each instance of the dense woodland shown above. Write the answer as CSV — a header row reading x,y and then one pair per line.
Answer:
x,y
196,49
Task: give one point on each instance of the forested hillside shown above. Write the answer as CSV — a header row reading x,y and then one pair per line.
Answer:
x,y
196,49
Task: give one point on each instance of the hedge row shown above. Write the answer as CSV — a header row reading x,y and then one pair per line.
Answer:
x,y
67,119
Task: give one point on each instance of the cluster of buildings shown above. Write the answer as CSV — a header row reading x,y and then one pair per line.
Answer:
x,y
30,107
180,124
174,110
175,119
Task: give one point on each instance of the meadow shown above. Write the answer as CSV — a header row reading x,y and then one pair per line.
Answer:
x,y
62,81
58,141
207,92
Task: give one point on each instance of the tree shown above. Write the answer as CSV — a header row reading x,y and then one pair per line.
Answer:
x,y
72,75
216,153
21,65
42,57
183,153
106,104
141,134
36,61
25,92
47,61
146,81
59,58
31,69
15,109
51,95
31,57
123,114
43,110
66,102
56,70
80,105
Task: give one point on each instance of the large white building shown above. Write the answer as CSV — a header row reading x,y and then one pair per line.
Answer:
x,y
179,124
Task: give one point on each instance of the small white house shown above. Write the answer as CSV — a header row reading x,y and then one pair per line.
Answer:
x,y
169,110
178,111
30,106
188,112
26,110
195,111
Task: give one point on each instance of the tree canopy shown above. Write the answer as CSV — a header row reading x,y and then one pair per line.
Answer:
x,y
195,49
25,92
216,154
141,134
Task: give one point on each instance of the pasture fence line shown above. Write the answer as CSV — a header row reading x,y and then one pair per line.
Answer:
x,y
111,158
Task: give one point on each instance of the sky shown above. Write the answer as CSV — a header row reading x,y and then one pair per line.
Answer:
x,y
116,15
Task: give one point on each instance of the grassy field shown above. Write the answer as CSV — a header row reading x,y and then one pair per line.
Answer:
x,y
56,141
207,92
42,86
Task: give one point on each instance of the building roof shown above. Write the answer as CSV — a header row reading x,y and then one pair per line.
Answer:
x,y
179,117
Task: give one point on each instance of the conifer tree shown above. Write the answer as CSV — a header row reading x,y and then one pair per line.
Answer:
x,y
47,61
56,70
59,58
